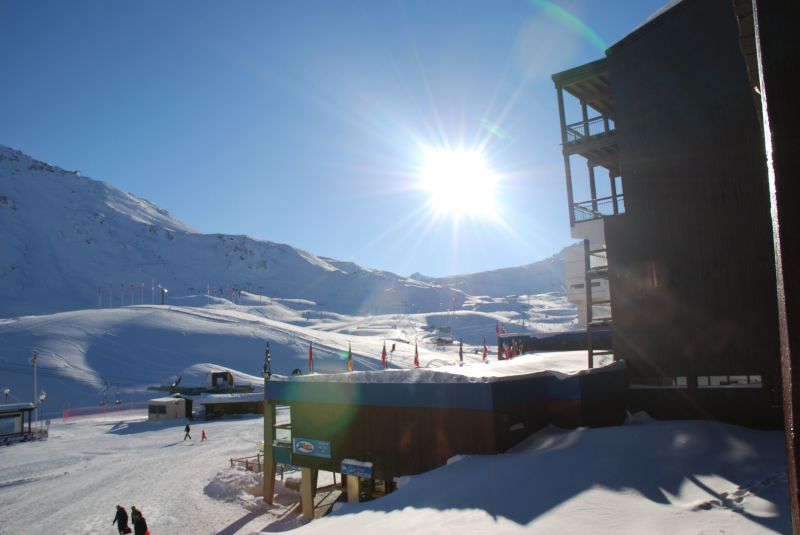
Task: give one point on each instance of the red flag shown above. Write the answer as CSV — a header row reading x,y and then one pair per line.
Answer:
x,y
416,356
383,355
310,358
485,350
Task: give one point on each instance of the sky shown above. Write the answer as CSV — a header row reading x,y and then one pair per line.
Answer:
x,y
324,125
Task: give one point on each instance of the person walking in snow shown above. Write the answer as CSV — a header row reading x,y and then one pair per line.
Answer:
x,y
187,435
203,436
139,524
121,520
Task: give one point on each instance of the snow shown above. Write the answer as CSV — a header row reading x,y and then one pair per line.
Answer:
x,y
64,234
551,363
643,477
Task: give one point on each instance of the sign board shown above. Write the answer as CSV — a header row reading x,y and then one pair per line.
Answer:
x,y
351,467
314,448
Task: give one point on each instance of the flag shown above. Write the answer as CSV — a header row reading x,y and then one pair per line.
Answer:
x,y
416,356
349,358
393,347
383,355
33,362
310,358
506,351
485,350
496,328
461,352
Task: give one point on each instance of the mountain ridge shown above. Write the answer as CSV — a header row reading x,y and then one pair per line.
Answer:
x,y
75,242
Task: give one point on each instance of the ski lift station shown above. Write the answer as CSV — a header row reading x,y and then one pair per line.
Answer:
x,y
374,426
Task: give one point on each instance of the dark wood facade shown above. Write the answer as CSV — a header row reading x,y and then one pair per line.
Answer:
x,y
690,262
410,428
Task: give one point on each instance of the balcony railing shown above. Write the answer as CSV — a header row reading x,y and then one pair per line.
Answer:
x,y
592,127
602,207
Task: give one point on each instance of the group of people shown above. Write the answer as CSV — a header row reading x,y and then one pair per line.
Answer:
x,y
137,519
187,435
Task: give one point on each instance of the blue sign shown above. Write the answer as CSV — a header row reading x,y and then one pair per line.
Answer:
x,y
314,448
351,467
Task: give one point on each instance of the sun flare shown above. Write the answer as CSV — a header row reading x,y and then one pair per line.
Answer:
x,y
459,183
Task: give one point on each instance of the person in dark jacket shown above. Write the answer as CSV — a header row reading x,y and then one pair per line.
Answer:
x,y
139,524
121,520
187,435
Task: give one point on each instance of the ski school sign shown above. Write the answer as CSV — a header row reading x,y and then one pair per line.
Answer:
x,y
314,448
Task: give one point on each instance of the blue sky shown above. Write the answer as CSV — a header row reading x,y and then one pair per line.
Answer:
x,y
306,122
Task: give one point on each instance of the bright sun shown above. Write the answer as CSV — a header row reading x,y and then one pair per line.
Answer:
x,y
458,183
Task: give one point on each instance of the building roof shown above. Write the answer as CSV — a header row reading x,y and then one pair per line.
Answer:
x,y
551,363
14,407
167,400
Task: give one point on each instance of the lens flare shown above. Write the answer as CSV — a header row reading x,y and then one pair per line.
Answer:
x,y
571,21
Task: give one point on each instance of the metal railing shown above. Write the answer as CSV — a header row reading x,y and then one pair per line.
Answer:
x,y
602,207
592,127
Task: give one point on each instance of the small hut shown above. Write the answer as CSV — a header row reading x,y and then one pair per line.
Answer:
x,y
13,425
169,408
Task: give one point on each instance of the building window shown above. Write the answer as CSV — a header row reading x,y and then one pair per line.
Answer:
x,y
576,286
646,383
729,381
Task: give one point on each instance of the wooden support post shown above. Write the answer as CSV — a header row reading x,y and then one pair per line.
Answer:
x,y
614,203
585,114
588,282
567,171
353,489
269,456
592,186
308,489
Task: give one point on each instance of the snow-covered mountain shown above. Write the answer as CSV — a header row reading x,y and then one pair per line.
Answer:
x,y
539,277
70,242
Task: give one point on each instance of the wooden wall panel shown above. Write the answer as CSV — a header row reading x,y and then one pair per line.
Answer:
x,y
691,261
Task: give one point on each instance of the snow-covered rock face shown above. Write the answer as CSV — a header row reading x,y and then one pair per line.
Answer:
x,y
71,242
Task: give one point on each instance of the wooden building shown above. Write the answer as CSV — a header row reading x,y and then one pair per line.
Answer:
x,y
169,408
403,422
681,228
15,423
221,405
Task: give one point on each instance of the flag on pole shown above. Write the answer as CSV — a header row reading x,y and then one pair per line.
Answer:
x,y
349,358
310,358
485,350
383,355
461,353
33,361
416,355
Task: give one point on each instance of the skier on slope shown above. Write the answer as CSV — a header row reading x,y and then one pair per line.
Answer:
x,y
187,435
121,520
202,438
